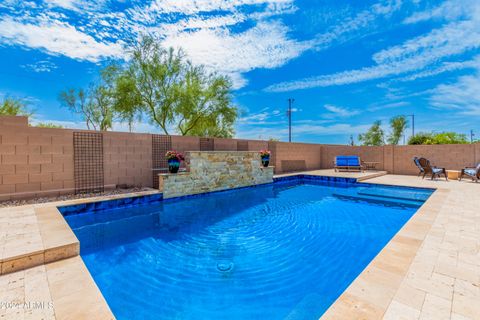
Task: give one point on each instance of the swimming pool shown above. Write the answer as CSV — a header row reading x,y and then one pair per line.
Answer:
x,y
285,250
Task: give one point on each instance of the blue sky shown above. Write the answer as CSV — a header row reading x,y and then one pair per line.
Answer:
x,y
346,63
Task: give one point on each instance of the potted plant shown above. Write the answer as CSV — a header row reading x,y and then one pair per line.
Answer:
x,y
265,155
174,158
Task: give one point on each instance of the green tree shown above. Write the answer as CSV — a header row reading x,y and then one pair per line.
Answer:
x,y
398,125
14,107
375,136
450,138
174,93
438,138
421,138
96,104
150,83
204,106
49,125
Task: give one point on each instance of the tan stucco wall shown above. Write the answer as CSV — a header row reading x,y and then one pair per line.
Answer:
x,y
39,161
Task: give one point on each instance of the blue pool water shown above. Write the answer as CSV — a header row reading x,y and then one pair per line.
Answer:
x,y
281,251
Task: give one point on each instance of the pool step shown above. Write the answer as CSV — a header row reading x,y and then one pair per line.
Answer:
x,y
379,201
394,194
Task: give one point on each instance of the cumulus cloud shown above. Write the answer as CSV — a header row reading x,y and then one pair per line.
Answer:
x,y
264,46
58,38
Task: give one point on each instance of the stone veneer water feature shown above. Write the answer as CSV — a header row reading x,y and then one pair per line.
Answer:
x,y
214,171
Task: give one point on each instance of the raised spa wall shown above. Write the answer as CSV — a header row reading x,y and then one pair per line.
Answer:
x,y
214,171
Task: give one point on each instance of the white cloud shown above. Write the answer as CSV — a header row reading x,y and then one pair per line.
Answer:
x,y
66,4
392,105
76,5
57,38
365,19
447,10
442,68
190,7
41,66
336,111
412,56
267,131
462,96
266,45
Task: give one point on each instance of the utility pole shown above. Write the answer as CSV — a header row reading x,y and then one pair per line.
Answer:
x,y
471,135
289,114
413,123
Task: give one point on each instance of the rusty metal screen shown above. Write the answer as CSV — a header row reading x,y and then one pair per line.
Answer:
x,y
207,144
160,145
242,145
88,162
293,165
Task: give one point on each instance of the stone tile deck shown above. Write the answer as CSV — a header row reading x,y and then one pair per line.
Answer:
x,y
41,266
429,270
57,290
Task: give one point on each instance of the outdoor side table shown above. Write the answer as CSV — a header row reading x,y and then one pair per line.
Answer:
x,y
370,165
453,174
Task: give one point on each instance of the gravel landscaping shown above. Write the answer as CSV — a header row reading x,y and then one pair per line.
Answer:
x,y
15,203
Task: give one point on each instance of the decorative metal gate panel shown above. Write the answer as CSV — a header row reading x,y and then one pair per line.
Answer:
x,y
160,145
88,162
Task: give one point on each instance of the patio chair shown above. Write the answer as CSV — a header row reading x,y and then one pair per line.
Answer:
x,y
348,163
421,171
473,173
428,169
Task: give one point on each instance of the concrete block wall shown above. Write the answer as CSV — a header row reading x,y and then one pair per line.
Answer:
x,y
225,144
398,159
257,145
310,153
34,161
453,157
39,161
375,154
127,159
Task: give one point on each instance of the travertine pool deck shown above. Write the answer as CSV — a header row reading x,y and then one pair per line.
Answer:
x,y
429,270
42,274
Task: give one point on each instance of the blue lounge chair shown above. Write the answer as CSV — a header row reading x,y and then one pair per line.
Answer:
x,y
348,163
473,173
